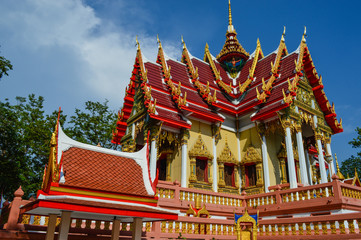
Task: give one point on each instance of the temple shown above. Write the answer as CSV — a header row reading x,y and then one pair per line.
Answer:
x,y
232,123
236,146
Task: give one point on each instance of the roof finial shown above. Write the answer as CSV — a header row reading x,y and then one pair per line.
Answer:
x,y
304,35
183,43
158,41
230,25
339,174
283,34
136,40
229,13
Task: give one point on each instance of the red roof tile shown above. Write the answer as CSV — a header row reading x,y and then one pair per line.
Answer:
x,y
100,171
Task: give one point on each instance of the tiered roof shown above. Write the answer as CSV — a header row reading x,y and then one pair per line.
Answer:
x,y
203,89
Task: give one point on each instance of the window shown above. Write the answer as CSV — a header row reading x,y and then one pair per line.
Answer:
x,y
202,170
251,175
229,175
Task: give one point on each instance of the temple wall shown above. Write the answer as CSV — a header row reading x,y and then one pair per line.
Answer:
x,y
206,133
231,138
247,138
273,147
176,166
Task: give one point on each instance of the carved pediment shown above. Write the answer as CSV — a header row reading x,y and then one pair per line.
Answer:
x,y
226,155
200,150
251,156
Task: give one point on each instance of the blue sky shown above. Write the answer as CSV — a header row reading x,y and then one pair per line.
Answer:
x,y
72,51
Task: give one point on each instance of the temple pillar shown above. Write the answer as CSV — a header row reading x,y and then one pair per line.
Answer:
x,y
214,161
329,152
290,158
169,164
115,229
64,225
184,164
137,231
309,169
265,164
321,159
153,159
283,171
301,155
50,231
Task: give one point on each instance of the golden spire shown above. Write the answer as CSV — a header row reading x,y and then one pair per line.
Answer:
x,y
229,13
339,174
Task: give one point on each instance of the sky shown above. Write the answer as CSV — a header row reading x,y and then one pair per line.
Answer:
x,y
72,51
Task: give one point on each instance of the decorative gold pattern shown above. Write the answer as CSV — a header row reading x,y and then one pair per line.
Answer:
x,y
258,52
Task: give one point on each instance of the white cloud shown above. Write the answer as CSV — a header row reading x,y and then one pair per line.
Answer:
x,y
95,57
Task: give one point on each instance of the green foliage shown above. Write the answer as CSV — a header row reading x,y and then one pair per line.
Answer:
x,y
354,162
25,132
5,66
95,125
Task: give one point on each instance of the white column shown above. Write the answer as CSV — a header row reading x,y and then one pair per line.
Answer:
x,y
215,177
64,225
301,157
153,159
265,164
184,165
309,170
290,159
137,230
321,162
51,227
331,165
115,229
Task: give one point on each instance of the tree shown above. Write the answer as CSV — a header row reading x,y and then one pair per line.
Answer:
x,y
354,162
25,132
95,125
5,66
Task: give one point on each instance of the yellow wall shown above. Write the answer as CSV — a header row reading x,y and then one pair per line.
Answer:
x,y
250,137
273,147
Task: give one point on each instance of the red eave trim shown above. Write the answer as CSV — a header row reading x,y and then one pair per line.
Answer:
x,y
100,210
204,114
269,113
170,121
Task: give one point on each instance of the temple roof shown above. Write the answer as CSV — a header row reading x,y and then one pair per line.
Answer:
x,y
93,169
193,88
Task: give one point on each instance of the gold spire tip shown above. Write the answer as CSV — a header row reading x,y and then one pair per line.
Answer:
x,y
304,35
136,40
229,13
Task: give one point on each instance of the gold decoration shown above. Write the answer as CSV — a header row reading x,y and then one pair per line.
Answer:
x,y
226,155
151,106
287,98
208,58
338,173
246,218
251,156
187,60
199,149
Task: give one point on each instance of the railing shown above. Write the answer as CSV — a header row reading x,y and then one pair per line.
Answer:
x,y
76,224
313,225
334,191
